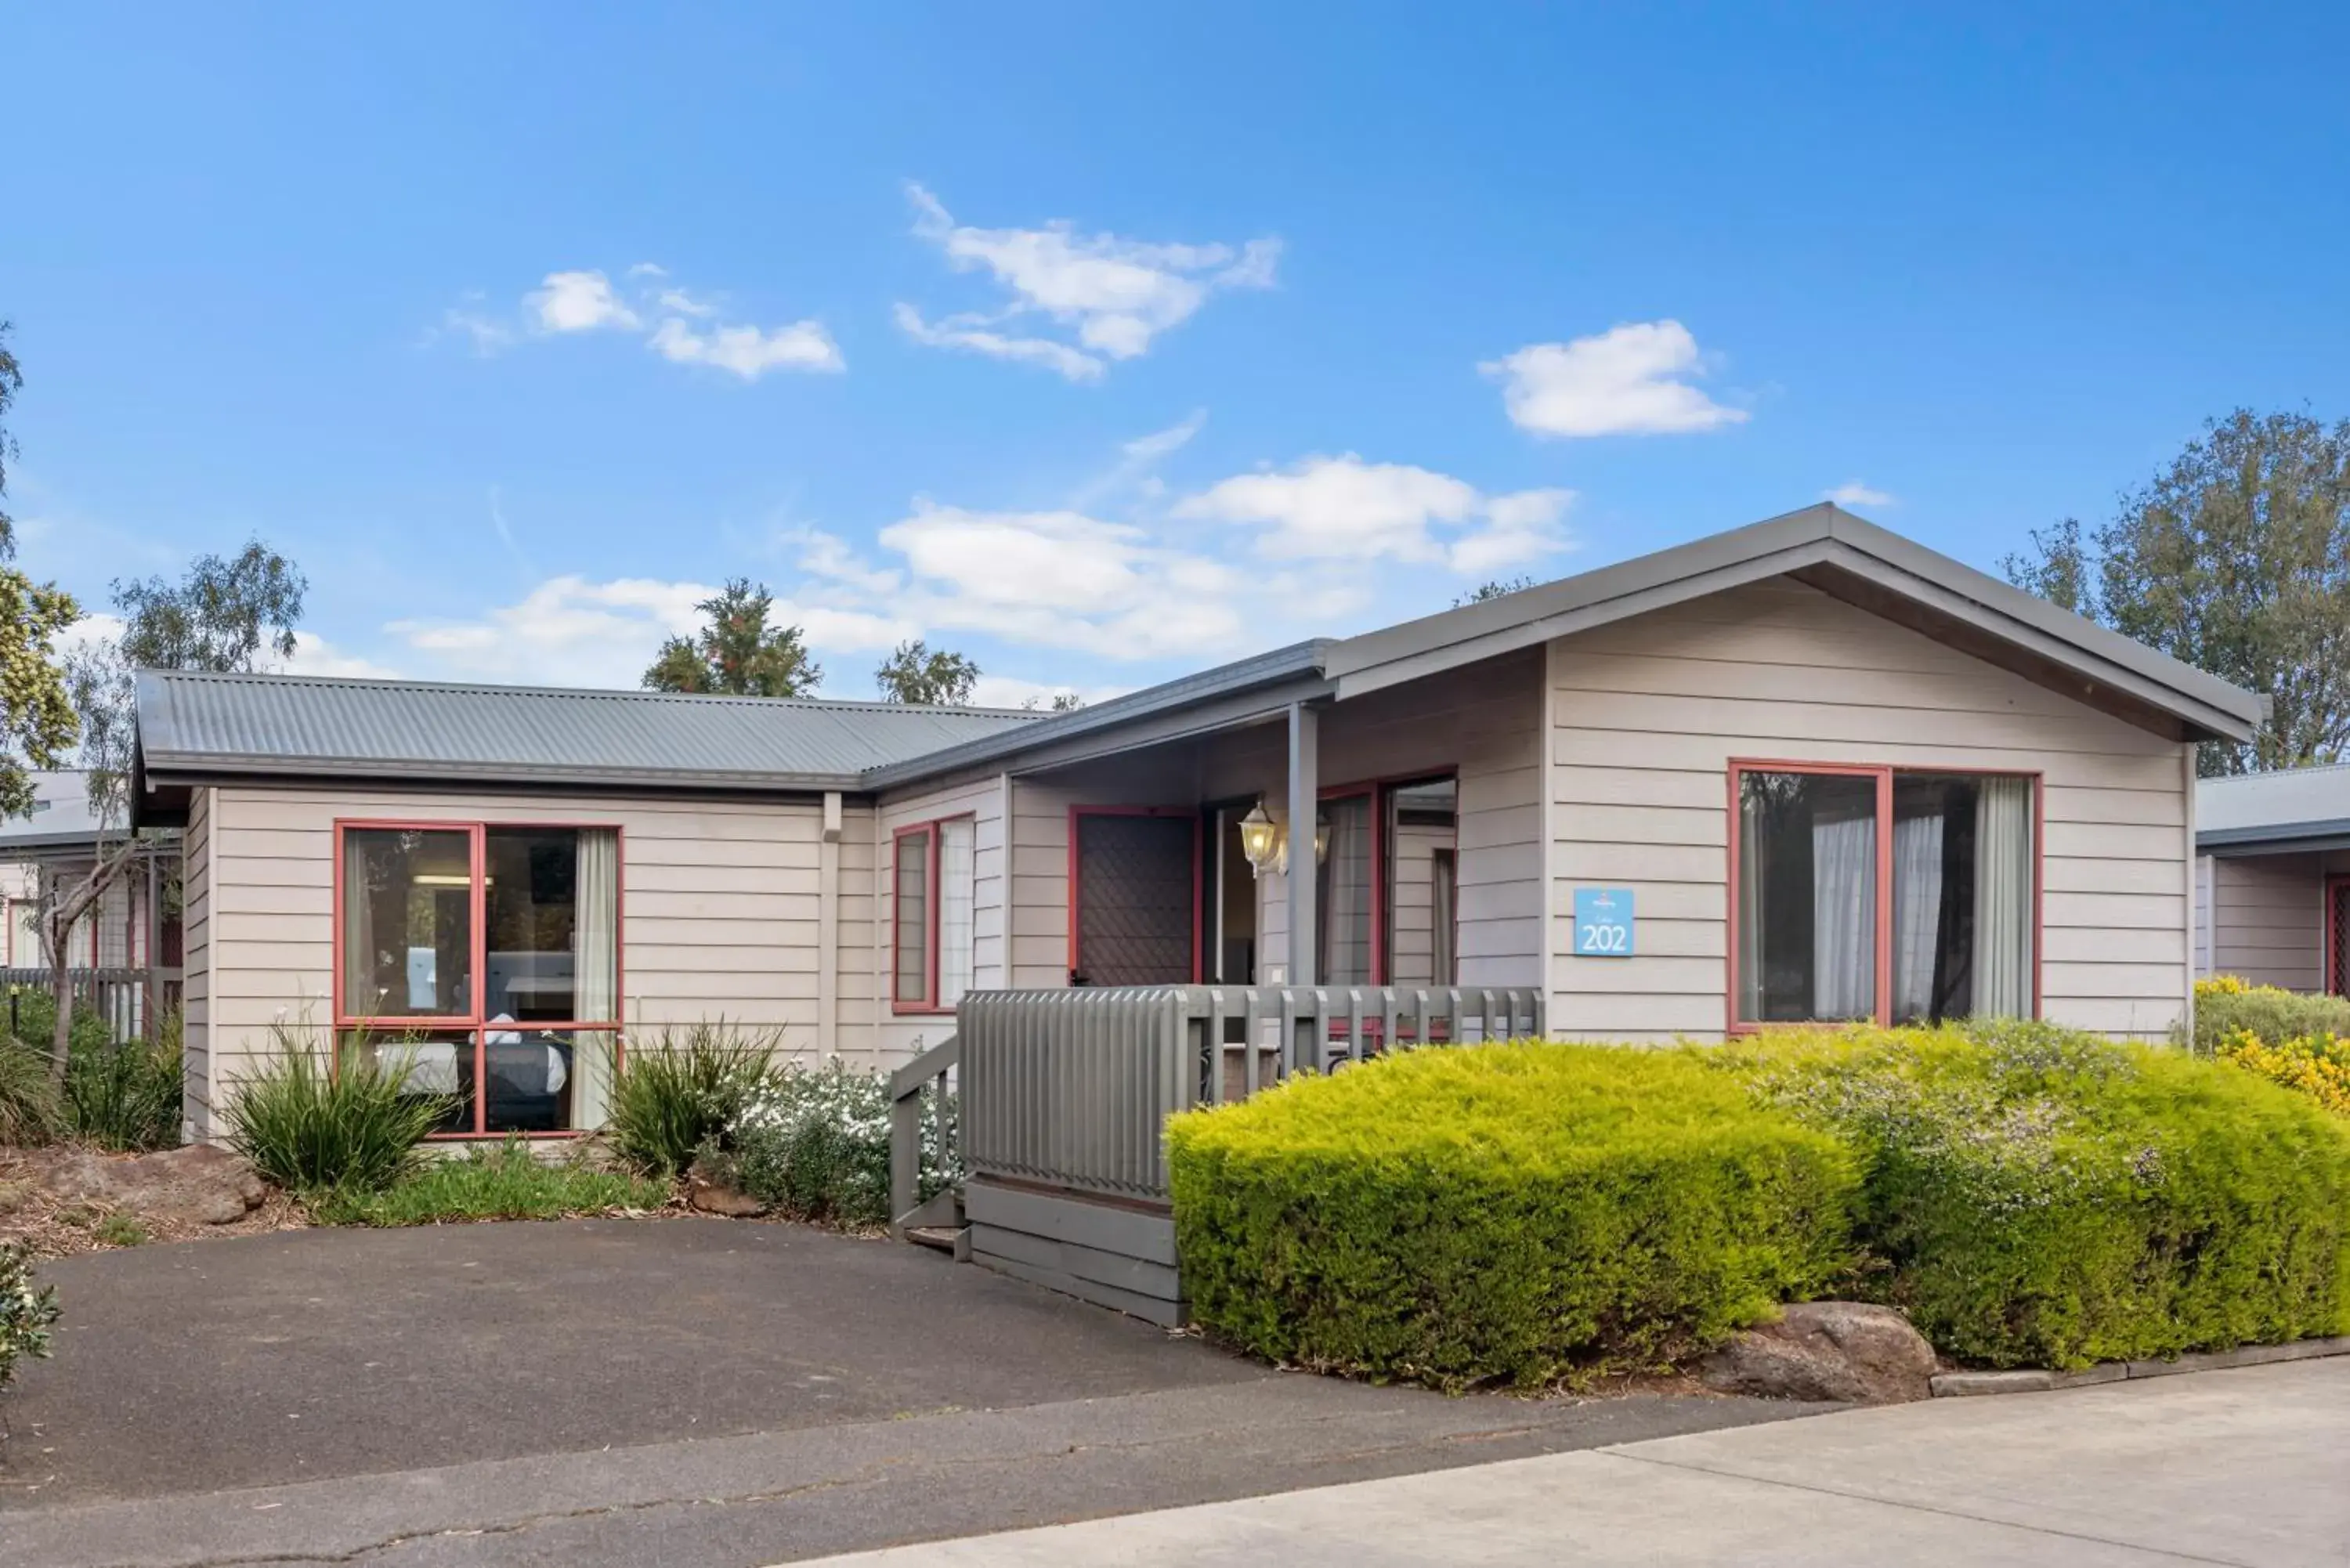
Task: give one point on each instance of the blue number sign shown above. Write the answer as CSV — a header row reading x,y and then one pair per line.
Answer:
x,y
1602,922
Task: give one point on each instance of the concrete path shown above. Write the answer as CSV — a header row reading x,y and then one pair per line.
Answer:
x,y
2248,1468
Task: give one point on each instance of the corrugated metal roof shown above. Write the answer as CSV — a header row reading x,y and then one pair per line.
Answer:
x,y
2294,803
208,724
62,813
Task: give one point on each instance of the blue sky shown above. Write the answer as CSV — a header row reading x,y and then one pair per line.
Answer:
x,y
1103,342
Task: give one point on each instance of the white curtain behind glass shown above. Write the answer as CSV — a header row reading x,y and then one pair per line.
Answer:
x,y
1843,917
957,852
595,971
2002,956
1916,911
360,993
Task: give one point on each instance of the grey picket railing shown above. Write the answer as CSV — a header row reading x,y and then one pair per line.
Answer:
x,y
920,1087
1071,1089
120,996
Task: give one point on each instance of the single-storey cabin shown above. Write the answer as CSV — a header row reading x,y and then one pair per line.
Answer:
x,y
2272,878
1806,770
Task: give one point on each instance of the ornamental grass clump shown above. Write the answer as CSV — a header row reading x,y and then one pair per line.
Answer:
x,y
2036,1196
1514,1214
312,1128
681,1090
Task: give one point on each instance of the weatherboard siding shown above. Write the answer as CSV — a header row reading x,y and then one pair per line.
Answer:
x,y
196,963
1647,714
719,909
2267,918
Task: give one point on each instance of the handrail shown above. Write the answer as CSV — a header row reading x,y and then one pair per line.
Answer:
x,y
1071,1088
927,1071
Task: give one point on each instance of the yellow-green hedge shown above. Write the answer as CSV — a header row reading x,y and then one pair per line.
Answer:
x,y
2036,1196
1504,1214
2300,1041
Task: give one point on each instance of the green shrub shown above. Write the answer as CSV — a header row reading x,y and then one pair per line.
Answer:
x,y
27,1311
311,1129
35,1017
119,1097
1513,1213
684,1089
2036,1196
127,1097
30,1111
814,1145
2226,1006
502,1182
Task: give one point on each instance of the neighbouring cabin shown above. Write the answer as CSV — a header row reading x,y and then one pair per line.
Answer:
x,y
2272,878
1803,770
123,956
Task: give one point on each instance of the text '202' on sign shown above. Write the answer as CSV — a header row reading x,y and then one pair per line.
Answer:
x,y
1602,922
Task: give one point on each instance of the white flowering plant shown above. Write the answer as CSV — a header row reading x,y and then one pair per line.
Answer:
x,y
814,1144
27,1311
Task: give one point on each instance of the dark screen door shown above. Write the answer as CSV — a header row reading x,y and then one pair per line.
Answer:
x,y
1135,886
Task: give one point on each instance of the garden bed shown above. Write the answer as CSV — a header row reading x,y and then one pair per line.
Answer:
x,y
55,1224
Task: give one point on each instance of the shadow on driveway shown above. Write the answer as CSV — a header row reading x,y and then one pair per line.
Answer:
x,y
313,1353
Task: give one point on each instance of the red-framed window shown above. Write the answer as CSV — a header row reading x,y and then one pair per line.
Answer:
x,y
482,960
1882,894
1387,859
932,887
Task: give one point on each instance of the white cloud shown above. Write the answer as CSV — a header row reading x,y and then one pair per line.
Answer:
x,y
487,335
1062,579
1342,508
570,631
685,327
1624,381
1116,294
747,351
1159,443
314,655
1011,691
971,332
579,302
1853,492
829,556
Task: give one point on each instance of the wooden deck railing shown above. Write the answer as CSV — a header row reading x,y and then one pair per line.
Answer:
x,y
126,998
1071,1089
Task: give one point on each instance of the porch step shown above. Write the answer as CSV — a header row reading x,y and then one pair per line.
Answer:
x,y
945,1238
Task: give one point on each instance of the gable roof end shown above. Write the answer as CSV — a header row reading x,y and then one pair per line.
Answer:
x,y
1849,558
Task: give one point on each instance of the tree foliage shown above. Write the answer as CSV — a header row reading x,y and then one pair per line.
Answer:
x,y
914,673
221,615
12,381
1498,587
37,717
2236,559
737,653
225,614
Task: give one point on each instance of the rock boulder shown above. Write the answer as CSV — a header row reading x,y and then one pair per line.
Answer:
x,y
1843,1351
200,1183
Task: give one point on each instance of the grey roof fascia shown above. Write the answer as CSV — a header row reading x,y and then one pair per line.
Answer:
x,y
1187,706
165,770
2288,835
1814,536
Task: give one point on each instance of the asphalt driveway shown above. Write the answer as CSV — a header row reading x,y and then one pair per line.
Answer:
x,y
608,1391
309,1354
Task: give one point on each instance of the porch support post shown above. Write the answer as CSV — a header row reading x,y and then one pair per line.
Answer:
x,y
828,929
1304,801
